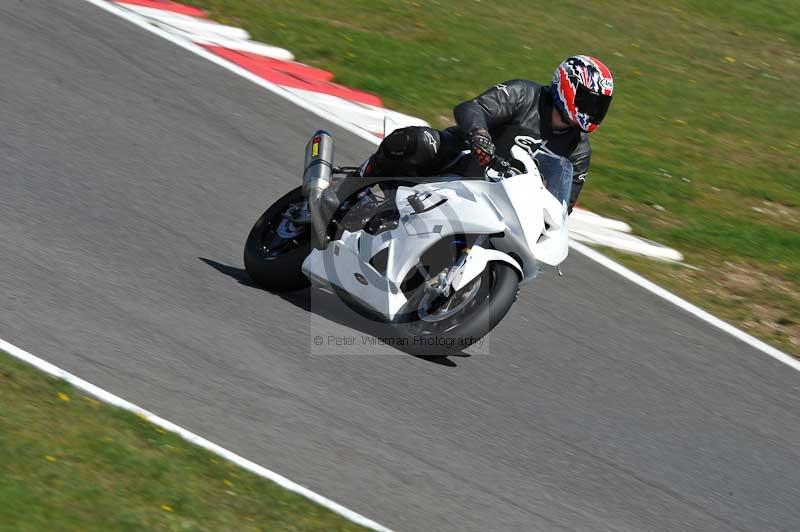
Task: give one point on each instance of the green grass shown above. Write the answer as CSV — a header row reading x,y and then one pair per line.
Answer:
x,y
69,462
700,148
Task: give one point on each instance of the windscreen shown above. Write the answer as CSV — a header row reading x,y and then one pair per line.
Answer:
x,y
556,172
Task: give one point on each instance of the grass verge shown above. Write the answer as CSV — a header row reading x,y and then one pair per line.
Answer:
x,y
700,150
70,462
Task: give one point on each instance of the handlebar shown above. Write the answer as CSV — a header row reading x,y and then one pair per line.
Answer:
x,y
501,166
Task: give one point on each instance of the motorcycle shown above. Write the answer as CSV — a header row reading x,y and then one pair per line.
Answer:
x,y
439,258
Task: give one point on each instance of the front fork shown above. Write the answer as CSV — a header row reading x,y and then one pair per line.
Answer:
x,y
442,283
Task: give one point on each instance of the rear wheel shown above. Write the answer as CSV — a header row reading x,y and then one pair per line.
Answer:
x,y
278,244
433,324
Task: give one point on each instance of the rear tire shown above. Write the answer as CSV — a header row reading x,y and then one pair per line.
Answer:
x,y
274,251
486,300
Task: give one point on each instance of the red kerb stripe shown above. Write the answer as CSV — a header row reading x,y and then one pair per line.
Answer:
x,y
294,75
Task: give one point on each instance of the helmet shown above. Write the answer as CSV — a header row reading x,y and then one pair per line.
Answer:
x,y
581,88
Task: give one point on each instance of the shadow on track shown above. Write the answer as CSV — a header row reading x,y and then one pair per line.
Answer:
x,y
329,306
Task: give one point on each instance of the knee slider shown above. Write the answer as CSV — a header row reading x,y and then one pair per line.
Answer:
x,y
399,144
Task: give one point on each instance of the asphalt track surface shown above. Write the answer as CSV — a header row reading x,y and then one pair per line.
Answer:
x,y
130,173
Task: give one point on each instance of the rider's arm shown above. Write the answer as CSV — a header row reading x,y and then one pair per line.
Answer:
x,y
580,158
493,108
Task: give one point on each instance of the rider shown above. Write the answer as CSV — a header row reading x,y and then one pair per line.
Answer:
x,y
561,116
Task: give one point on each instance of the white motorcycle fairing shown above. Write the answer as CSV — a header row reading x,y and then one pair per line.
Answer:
x,y
525,223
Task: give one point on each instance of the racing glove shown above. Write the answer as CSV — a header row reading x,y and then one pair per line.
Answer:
x,y
480,142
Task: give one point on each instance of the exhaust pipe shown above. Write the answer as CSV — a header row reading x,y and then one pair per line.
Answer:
x,y
317,176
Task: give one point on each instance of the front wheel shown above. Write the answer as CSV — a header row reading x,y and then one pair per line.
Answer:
x,y
436,325
278,244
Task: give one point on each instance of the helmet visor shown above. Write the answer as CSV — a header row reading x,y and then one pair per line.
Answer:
x,y
592,104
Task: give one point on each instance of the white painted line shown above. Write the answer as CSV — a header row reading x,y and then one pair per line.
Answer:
x,y
189,436
599,236
685,305
589,217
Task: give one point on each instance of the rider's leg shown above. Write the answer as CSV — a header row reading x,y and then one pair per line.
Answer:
x,y
407,152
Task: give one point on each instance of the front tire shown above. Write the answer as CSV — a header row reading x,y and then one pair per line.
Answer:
x,y
276,247
437,327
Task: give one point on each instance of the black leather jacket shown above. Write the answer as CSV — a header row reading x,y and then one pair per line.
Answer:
x,y
528,105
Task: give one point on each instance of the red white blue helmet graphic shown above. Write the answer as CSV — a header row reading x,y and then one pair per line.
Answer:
x,y
582,87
